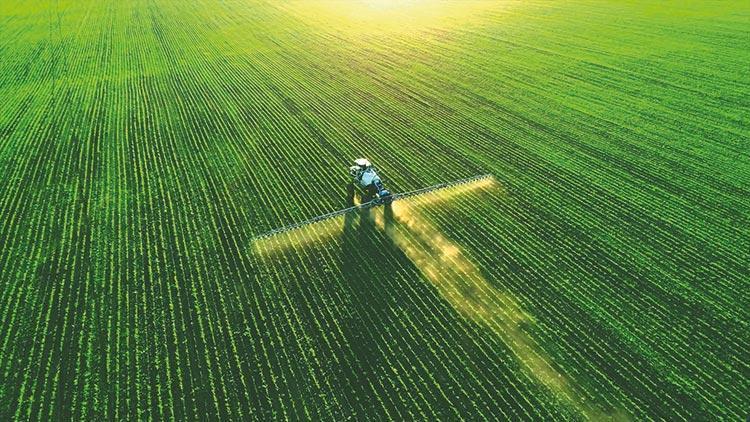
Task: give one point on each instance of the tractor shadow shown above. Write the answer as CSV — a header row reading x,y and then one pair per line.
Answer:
x,y
366,260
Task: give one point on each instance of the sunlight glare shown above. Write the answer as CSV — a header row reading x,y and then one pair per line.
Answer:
x,y
389,16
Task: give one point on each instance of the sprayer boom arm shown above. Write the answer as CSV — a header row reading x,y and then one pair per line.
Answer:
x,y
371,204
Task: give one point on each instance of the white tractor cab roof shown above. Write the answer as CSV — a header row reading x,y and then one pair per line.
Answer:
x,y
363,163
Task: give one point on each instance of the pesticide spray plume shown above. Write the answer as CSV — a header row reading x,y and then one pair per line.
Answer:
x,y
460,282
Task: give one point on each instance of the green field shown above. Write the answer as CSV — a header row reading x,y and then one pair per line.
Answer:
x,y
602,273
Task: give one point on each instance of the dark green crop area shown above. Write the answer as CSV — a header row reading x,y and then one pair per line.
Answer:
x,y
603,273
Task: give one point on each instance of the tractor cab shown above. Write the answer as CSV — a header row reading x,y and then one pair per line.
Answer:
x,y
364,175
